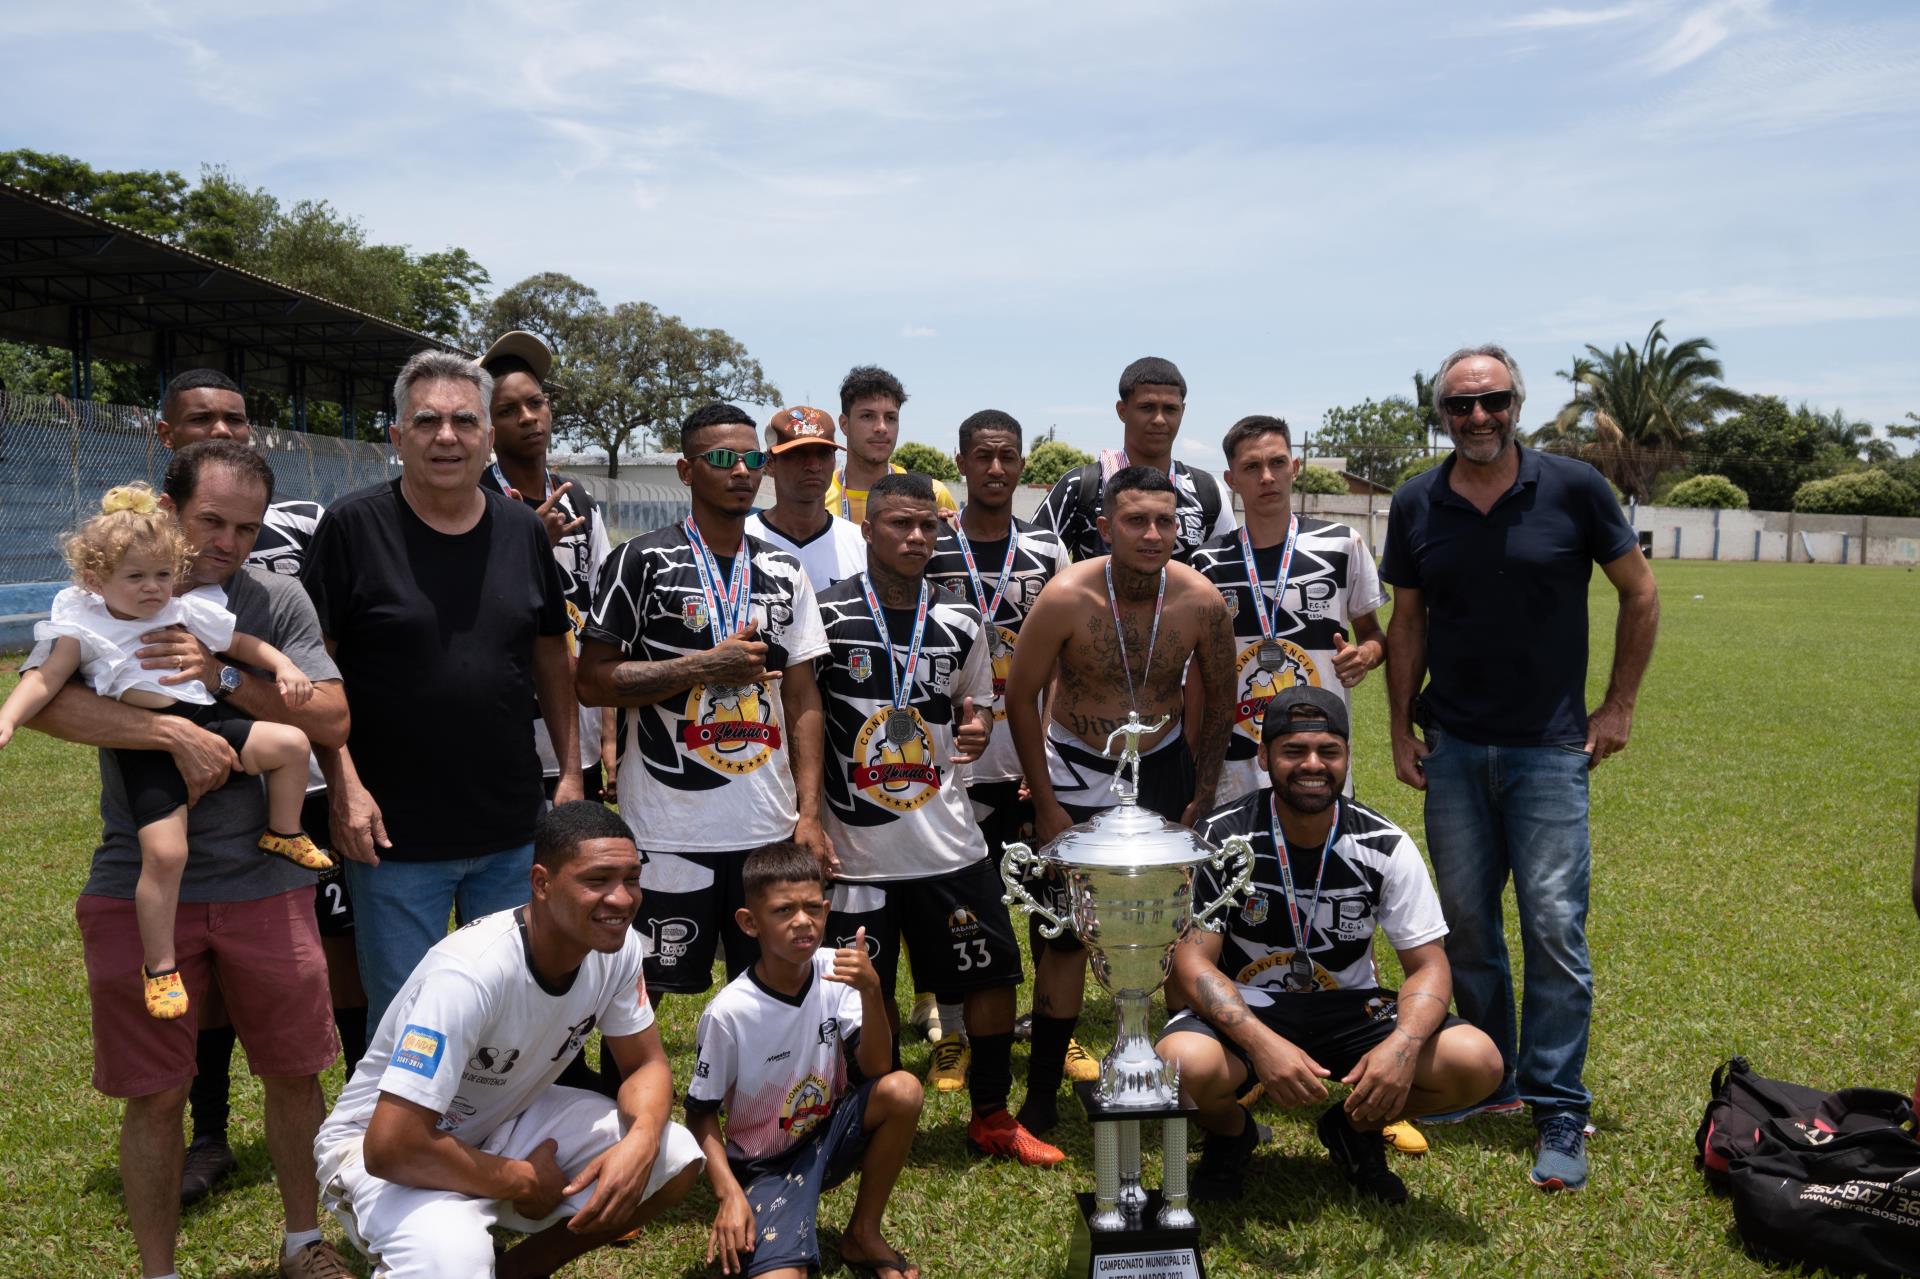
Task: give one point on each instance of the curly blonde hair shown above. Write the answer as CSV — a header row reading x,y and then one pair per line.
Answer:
x,y
130,521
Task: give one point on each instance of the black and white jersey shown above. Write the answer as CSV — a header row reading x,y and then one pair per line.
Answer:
x,y
896,810
284,534
1038,554
706,770
1375,878
1072,508
834,554
579,555
1331,581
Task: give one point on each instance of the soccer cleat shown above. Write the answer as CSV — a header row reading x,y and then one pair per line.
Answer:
x,y
297,849
1405,1138
1221,1176
925,1016
998,1134
951,1057
166,994
1361,1157
1023,1028
1082,1068
1560,1153
208,1161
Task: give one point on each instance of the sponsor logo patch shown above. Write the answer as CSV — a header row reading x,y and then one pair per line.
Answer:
x,y
419,1050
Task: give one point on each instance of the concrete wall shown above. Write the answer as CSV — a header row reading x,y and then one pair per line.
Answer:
x,y
1779,536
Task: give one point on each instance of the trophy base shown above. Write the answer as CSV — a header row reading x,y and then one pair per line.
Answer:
x,y
1100,1112
1141,1251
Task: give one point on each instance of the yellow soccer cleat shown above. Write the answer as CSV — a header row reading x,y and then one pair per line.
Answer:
x,y
1082,1067
1405,1138
951,1057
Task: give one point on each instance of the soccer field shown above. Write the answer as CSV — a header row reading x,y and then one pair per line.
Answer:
x,y
1751,853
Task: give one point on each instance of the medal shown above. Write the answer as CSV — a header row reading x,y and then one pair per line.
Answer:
x,y
1300,968
899,725
1272,656
1269,614
727,612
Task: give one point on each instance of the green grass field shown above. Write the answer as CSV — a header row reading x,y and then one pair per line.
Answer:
x,y
1751,852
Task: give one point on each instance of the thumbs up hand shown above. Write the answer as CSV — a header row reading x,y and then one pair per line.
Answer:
x,y
854,967
1350,663
971,732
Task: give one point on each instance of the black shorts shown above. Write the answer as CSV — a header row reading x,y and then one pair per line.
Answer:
x,y
332,907
1002,816
153,784
687,902
1334,1027
962,938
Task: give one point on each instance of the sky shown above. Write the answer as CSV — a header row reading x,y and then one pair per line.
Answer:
x,y
1299,203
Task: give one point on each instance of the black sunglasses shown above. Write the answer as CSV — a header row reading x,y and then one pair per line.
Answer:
x,y
727,459
1491,401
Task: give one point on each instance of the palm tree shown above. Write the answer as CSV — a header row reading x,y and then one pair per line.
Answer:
x,y
1643,405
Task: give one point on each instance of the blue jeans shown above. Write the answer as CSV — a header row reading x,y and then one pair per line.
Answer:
x,y
400,910
1494,811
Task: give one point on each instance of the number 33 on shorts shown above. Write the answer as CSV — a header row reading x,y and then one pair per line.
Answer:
x,y
970,955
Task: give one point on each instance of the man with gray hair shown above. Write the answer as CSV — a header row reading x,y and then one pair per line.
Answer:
x,y
441,602
1489,555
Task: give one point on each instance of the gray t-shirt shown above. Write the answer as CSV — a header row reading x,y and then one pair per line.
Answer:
x,y
223,865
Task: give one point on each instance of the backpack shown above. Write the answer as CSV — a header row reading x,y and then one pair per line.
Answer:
x,y
1205,487
1825,1179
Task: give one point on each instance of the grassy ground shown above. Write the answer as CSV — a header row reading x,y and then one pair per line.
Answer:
x,y
1750,895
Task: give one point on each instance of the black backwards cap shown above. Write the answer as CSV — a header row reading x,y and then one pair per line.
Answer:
x,y
1319,711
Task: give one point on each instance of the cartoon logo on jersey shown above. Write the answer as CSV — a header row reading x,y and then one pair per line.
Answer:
x,y
808,1102
729,726
1277,969
669,940
900,775
1254,913
1000,643
693,612
860,666
1258,686
962,922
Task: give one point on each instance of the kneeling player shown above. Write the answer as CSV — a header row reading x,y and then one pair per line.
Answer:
x,y
1287,992
452,1123
797,1050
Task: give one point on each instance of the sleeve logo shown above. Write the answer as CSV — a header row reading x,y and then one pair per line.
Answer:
x,y
419,1051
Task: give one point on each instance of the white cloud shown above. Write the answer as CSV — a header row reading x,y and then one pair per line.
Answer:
x,y
919,331
1703,31
1555,19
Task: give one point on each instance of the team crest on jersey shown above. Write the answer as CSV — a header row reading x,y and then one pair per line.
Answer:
x,y
1000,643
807,1104
693,611
860,666
730,726
1258,687
901,775
1254,913
1231,598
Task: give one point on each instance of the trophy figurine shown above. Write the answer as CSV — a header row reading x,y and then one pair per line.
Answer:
x,y
1128,875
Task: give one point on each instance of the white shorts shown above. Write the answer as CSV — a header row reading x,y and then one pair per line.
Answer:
x,y
1083,778
405,1231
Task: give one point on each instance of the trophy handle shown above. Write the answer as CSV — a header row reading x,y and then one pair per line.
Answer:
x,y
1240,879
1015,861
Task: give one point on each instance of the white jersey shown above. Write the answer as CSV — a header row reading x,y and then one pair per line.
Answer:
x,y
285,535
834,554
1331,581
706,770
108,643
475,1035
896,810
776,1063
1038,554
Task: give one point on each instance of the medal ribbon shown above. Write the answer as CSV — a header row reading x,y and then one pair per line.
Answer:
x,y
1302,928
988,606
1153,637
500,478
846,507
1269,616
727,612
900,698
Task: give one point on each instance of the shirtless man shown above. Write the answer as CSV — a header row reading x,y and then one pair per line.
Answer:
x,y
1120,628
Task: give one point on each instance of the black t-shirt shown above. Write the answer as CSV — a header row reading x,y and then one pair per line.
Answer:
x,y
1506,595
435,638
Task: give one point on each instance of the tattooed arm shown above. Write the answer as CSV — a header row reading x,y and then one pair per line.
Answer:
x,y
1213,662
1291,1077
1382,1079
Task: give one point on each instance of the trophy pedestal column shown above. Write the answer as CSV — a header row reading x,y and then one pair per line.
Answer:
x,y
1126,1231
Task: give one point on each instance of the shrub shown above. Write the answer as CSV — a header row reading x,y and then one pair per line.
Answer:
x,y
1419,466
1857,493
1319,479
1050,460
927,460
1708,492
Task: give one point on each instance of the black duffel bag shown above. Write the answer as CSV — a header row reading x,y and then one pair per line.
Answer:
x,y
1829,1180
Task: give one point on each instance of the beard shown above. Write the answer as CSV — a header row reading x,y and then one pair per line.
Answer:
x,y
1483,449
1309,802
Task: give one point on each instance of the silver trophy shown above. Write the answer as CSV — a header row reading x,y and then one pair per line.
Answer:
x,y
1128,880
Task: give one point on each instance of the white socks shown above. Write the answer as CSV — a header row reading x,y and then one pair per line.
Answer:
x,y
298,1239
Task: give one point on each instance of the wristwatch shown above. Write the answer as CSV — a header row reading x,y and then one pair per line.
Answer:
x,y
229,682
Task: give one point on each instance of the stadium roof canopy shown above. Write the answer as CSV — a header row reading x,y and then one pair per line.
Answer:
x,y
72,280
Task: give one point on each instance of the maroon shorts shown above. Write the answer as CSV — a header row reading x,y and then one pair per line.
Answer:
x,y
273,978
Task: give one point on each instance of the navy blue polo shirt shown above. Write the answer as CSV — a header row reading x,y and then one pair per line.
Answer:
x,y
1506,595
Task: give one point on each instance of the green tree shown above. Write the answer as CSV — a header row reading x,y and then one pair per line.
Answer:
x,y
1050,460
1319,479
226,219
147,200
1857,493
927,460
1708,492
1423,405
1768,450
1419,466
1376,437
1643,404
552,305
442,291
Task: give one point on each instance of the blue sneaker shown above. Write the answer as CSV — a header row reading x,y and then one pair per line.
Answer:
x,y
1504,1103
1560,1155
